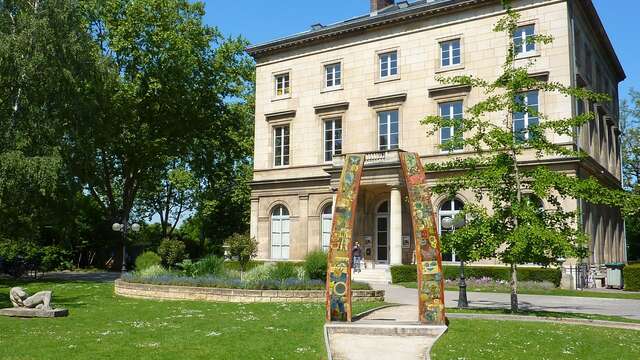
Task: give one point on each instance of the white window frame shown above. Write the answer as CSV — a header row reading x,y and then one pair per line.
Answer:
x,y
385,59
333,69
450,213
452,114
281,233
325,234
521,50
281,152
331,120
449,50
526,115
388,134
282,81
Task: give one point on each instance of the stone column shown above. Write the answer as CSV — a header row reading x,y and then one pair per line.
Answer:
x,y
253,228
303,228
395,225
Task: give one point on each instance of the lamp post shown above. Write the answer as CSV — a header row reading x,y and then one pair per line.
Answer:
x,y
451,224
124,229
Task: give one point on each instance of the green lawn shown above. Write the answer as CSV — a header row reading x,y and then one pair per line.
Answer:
x,y
104,326
556,292
548,314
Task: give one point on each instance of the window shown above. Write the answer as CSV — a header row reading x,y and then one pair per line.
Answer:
x,y
523,120
451,111
333,75
332,138
523,40
327,218
281,145
450,53
388,64
388,130
280,233
283,84
449,209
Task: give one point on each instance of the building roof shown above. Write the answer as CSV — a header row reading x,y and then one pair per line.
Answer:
x,y
405,11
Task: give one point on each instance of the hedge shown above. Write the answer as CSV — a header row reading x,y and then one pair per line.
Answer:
x,y
407,273
235,265
632,277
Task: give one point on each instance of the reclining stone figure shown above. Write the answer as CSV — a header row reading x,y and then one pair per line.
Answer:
x,y
21,299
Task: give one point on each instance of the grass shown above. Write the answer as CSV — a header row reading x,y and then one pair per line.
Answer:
x,y
506,340
529,291
547,314
104,326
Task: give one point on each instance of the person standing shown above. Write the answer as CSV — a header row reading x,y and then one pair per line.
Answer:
x,y
356,255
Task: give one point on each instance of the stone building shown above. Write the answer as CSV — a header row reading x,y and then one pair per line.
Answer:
x,y
363,85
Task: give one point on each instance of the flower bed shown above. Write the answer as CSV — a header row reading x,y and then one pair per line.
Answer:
x,y
241,295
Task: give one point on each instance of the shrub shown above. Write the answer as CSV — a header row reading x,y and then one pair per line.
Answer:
x,y
243,247
55,258
408,273
154,270
171,251
19,257
234,265
259,273
188,267
210,265
147,259
632,277
315,264
403,273
283,271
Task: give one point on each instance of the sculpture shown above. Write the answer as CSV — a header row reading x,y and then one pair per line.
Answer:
x,y
21,299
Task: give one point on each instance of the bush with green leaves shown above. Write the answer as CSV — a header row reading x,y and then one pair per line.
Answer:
x,y
55,258
210,265
259,273
154,270
283,271
171,251
408,273
243,247
631,277
147,259
188,267
315,265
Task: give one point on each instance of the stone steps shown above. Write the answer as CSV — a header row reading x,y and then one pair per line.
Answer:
x,y
379,274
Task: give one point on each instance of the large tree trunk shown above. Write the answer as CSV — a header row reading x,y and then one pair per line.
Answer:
x,y
514,289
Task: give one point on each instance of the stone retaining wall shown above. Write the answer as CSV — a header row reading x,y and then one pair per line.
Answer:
x,y
170,292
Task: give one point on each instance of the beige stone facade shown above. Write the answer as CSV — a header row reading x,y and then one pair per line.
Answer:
x,y
292,189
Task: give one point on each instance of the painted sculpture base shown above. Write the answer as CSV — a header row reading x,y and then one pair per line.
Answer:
x,y
34,313
373,340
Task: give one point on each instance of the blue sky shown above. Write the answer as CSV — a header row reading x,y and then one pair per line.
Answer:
x,y
264,20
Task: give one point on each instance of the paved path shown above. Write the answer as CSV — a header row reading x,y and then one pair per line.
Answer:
x,y
615,307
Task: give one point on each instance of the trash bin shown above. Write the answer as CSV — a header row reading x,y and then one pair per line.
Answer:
x,y
614,275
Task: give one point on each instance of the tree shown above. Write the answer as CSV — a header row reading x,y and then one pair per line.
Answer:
x,y
630,148
46,65
165,86
172,194
243,247
516,228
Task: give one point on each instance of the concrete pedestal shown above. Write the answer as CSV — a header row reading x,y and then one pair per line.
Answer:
x,y
372,340
34,313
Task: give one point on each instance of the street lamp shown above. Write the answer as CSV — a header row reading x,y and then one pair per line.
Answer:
x,y
453,224
124,228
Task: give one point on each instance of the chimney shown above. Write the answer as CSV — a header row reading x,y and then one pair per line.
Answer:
x,y
377,5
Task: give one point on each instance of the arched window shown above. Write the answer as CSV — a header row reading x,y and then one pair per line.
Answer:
x,y
450,209
327,218
280,233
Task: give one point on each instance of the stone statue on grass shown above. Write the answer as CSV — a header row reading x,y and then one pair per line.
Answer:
x,y
20,298
36,305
